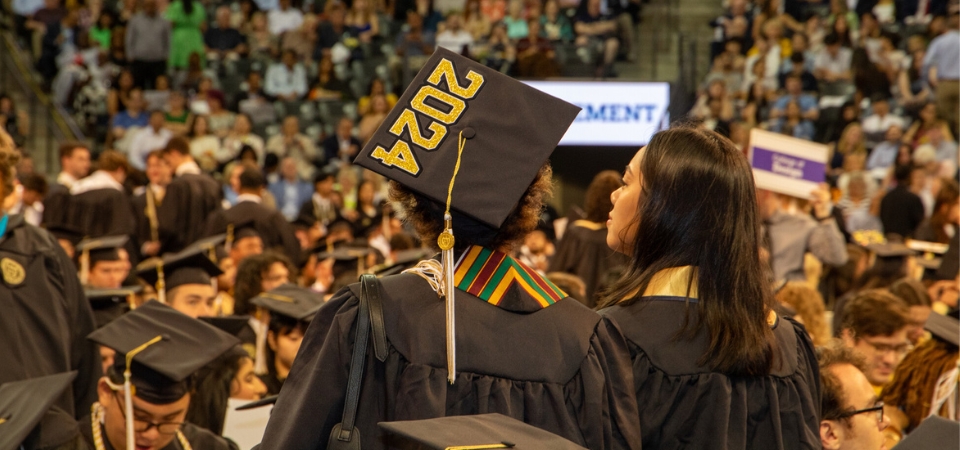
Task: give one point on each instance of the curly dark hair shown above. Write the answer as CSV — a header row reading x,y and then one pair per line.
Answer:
x,y
212,384
250,277
426,216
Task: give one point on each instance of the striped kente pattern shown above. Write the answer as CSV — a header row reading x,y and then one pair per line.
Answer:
x,y
488,274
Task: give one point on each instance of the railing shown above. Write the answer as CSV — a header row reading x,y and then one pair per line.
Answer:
x,y
50,124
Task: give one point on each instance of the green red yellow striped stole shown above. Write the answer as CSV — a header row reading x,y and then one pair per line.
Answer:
x,y
488,275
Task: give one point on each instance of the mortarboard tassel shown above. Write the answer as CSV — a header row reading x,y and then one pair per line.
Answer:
x,y
446,242
228,243
128,390
161,284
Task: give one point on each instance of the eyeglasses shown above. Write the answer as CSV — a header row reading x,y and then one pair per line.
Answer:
x,y
878,409
899,350
142,426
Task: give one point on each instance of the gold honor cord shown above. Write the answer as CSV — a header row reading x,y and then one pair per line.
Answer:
x,y
161,283
446,242
96,419
128,389
151,212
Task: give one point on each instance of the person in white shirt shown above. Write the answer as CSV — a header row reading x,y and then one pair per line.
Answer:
x,y
454,37
284,18
875,126
287,80
833,63
153,137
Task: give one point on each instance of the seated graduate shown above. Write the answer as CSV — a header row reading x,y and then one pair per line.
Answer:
x,y
144,398
521,347
228,377
290,310
108,305
103,267
714,366
184,281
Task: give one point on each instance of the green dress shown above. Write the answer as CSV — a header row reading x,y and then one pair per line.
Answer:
x,y
187,37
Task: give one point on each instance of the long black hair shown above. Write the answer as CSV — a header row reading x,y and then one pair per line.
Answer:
x,y
208,406
698,207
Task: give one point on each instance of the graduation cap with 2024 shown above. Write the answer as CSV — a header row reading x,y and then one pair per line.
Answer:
x,y
506,131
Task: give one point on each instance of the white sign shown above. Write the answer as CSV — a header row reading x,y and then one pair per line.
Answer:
x,y
613,113
245,428
785,164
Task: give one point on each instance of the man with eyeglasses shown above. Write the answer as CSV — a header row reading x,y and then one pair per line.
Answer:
x,y
158,351
875,325
851,413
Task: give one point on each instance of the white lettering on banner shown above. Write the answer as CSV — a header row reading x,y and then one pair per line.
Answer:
x,y
618,113
614,112
789,167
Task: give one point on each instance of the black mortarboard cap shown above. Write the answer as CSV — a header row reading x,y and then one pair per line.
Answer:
x,y
502,151
230,324
66,232
478,431
944,327
167,346
24,403
102,248
258,403
190,266
240,230
934,432
212,245
289,300
110,304
931,264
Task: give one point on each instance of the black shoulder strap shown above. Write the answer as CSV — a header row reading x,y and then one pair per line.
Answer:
x,y
345,435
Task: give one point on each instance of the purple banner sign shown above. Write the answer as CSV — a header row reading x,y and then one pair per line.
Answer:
x,y
788,165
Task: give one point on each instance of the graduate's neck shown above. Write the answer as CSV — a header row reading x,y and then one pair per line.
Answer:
x,y
282,369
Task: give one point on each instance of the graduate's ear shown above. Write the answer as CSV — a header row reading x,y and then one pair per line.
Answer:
x,y
272,340
104,392
831,434
846,335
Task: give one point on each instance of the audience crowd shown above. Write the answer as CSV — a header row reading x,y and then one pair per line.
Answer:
x,y
274,98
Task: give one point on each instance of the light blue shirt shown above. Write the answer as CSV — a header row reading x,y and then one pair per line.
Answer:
x,y
806,102
883,155
27,8
944,54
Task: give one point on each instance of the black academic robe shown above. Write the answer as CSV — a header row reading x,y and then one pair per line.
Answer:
x,y
324,215
56,204
144,231
190,199
45,320
583,252
106,212
199,438
558,368
686,405
270,224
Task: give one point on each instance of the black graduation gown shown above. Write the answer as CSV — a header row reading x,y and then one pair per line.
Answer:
x,y
270,224
106,212
583,252
56,205
559,368
199,438
325,216
188,202
143,230
45,319
685,405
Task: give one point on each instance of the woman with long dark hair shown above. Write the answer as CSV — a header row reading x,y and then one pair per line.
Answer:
x,y
714,366
229,376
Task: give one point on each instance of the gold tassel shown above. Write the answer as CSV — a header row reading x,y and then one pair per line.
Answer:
x,y
128,389
446,243
161,283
